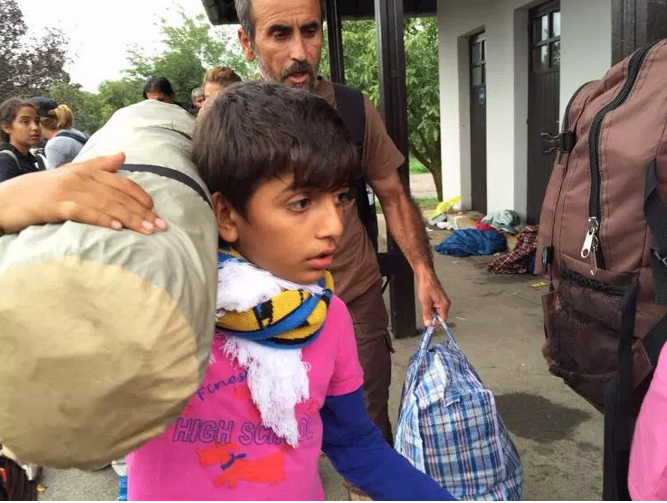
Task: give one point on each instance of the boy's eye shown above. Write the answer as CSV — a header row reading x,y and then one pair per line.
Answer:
x,y
343,197
300,205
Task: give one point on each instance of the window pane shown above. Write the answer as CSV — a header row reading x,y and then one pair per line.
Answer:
x,y
555,55
555,32
477,76
476,54
541,28
541,58
483,74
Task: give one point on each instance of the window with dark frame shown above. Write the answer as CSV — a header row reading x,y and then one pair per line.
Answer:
x,y
478,60
546,40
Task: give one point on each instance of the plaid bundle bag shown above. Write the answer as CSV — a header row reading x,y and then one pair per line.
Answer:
x,y
449,428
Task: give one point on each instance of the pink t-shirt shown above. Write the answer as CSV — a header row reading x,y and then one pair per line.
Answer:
x,y
647,479
218,449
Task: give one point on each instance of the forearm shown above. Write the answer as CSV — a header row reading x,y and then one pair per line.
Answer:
x,y
406,226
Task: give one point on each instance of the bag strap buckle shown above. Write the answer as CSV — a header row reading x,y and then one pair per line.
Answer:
x,y
660,257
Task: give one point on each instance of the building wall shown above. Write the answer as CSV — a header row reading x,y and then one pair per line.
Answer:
x,y
506,26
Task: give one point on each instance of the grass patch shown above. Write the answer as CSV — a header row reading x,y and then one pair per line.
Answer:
x,y
424,203
417,167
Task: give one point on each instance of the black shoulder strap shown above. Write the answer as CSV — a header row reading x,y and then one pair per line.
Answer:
x,y
74,136
41,165
656,217
350,106
169,173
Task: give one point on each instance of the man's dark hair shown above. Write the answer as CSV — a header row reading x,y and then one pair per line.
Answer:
x,y
9,109
256,131
244,13
158,85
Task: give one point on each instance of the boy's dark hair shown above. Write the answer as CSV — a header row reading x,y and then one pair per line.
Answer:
x,y
256,131
9,109
158,85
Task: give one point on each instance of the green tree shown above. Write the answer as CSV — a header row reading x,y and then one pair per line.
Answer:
x,y
421,54
190,48
28,65
87,107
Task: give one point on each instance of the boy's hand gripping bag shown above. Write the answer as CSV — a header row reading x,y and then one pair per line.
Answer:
x,y
449,428
105,335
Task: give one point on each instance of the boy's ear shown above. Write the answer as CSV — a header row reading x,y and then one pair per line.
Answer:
x,y
246,45
226,217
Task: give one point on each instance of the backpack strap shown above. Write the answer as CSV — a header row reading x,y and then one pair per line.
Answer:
x,y
74,136
41,165
350,106
655,213
13,156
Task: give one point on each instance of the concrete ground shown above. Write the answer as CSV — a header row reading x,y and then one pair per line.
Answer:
x,y
422,185
498,324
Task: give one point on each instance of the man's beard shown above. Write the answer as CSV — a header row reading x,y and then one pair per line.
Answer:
x,y
296,68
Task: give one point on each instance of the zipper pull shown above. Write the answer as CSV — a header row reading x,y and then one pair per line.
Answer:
x,y
591,243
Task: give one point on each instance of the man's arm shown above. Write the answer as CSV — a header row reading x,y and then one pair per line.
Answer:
x,y
405,223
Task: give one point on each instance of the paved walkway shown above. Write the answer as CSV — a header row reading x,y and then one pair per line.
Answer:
x,y
422,185
499,326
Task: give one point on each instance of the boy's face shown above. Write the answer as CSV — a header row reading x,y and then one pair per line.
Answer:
x,y
290,233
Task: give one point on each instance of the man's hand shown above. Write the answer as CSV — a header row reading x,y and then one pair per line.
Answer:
x,y
432,298
406,225
87,192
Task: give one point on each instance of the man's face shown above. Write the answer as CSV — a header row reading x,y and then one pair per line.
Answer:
x,y
288,41
198,101
160,97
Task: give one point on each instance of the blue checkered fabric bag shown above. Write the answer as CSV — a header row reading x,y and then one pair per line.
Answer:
x,y
449,428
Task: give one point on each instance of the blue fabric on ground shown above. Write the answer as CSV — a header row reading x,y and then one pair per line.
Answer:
x,y
466,242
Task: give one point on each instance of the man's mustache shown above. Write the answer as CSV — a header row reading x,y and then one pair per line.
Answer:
x,y
298,67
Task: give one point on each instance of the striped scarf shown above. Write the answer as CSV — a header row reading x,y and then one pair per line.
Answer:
x,y
289,319
263,322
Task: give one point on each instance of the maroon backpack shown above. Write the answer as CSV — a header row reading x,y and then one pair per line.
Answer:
x,y
603,244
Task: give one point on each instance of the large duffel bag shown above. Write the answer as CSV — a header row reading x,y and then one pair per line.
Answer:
x,y
105,335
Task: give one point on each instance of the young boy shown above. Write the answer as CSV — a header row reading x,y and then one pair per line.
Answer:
x,y
284,380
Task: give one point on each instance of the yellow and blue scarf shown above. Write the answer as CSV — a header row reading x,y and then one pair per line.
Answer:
x,y
289,320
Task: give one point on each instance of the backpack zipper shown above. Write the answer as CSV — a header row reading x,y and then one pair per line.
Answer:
x,y
565,126
592,248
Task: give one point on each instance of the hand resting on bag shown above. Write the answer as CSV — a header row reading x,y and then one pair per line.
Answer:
x,y
88,192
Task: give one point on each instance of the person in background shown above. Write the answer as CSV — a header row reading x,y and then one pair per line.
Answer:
x,y
19,132
159,88
218,78
197,96
63,142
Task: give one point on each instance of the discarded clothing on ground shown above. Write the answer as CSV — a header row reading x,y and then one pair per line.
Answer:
x,y
482,226
449,427
466,242
522,259
504,220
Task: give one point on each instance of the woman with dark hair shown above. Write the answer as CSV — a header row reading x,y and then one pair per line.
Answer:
x,y
19,132
159,88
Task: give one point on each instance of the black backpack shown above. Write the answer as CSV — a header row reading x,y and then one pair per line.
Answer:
x,y
350,105
14,483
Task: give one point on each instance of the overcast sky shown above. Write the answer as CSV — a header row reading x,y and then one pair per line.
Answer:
x,y
100,35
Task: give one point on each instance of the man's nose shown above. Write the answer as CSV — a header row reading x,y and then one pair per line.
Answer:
x,y
298,50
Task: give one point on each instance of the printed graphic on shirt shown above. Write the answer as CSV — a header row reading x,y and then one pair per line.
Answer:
x,y
236,466
228,448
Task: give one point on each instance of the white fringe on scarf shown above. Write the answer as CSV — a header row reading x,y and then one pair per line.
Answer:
x,y
277,378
